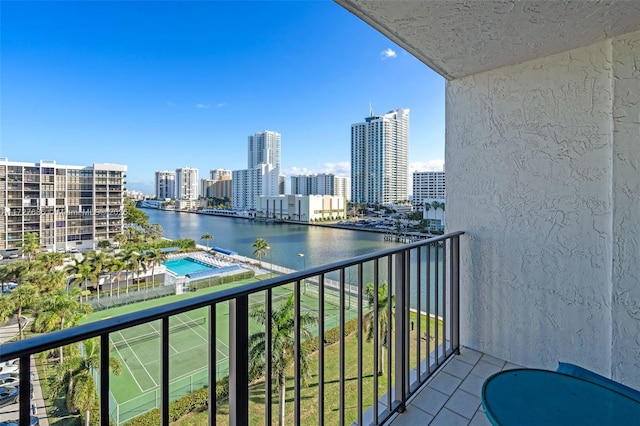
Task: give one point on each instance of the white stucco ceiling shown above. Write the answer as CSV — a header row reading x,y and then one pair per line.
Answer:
x,y
459,38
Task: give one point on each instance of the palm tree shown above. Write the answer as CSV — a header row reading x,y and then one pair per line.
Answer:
x,y
384,321
50,260
60,310
116,267
121,239
156,257
261,247
83,272
74,377
282,344
207,237
31,245
22,297
132,263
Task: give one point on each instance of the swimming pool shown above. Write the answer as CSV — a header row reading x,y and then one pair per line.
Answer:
x,y
186,266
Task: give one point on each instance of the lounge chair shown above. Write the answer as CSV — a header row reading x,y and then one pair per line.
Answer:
x,y
583,373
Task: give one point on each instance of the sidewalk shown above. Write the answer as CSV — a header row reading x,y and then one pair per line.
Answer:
x,y
10,412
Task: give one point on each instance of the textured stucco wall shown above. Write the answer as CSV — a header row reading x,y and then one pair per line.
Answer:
x,y
542,173
625,348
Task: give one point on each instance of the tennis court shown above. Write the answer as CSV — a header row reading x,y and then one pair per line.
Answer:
x,y
136,390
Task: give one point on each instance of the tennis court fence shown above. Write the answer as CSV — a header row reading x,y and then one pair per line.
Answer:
x,y
123,412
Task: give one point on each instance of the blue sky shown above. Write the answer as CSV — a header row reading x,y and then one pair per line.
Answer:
x,y
162,85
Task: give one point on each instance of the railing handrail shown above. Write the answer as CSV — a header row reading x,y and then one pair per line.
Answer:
x,y
78,333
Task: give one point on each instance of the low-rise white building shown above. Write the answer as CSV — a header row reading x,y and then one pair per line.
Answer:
x,y
304,208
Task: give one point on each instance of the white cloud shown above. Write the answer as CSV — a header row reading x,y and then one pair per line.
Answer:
x,y
388,53
340,168
221,105
203,106
436,165
171,104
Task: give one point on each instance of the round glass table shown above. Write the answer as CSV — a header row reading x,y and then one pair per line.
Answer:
x,y
542,397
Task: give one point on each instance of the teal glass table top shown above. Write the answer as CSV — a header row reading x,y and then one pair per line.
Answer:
x,y
542,397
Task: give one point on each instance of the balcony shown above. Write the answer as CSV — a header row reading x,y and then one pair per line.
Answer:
x,y
422,304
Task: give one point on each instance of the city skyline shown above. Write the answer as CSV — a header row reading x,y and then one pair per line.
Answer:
x,y
160,85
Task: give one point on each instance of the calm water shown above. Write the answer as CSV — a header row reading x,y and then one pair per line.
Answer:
x,y
319,245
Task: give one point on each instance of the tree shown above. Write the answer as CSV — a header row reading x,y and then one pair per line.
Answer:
x,y
121,239
104,244
384,321
74,377
282,344
22,297
30,245
50,260
131,261
155,256
261,247
116,267
60,310
207,237
82,272
155,231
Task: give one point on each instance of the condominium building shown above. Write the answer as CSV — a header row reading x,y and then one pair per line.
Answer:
x,y
214,188
187,183
219,174
379,158
264,147
165,184
67,206
248,185
428,186
321,184
262,176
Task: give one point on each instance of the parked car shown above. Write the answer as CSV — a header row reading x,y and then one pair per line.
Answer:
x,y
9,382
8,396
33,421
9,368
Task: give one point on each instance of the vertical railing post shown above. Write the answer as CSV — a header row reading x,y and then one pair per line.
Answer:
x,y
104,379
455,293
239,360
213,362
400,326
164,371
25,392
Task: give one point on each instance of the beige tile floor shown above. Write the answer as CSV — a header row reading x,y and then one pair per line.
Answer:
x,y
452,396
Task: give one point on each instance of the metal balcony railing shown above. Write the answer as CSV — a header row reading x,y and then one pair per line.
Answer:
x,y
422,305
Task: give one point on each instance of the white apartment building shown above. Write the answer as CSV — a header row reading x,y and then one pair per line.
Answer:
x,y
304,208
219,174
214,188
165,184
321,184
250,184
187,183
379,157
67,206
264,147
428,186
262,176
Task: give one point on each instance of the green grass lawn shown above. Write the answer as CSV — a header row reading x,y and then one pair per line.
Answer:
x,y
310,396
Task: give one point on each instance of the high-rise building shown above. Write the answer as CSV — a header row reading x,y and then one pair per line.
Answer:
x,y
262,176
379,158
264,147
219,174
248,185
187,183
320,184
165,184
67,206
428,186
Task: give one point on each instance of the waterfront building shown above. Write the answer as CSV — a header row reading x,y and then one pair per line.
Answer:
x,y
190,204
219,174
379,158
304,208
187,183
165,184
214,188
264,147
67,206
428,186
321,184
262,176
248,185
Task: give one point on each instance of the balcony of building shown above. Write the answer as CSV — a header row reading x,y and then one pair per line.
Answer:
x,y
542,158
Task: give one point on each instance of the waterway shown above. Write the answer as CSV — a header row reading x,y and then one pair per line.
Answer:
x,y
291,245
319,245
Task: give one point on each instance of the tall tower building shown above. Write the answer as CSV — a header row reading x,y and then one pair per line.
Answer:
x,y
187,183
320,184
379,157
264,147
262,176
219,174
165,184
